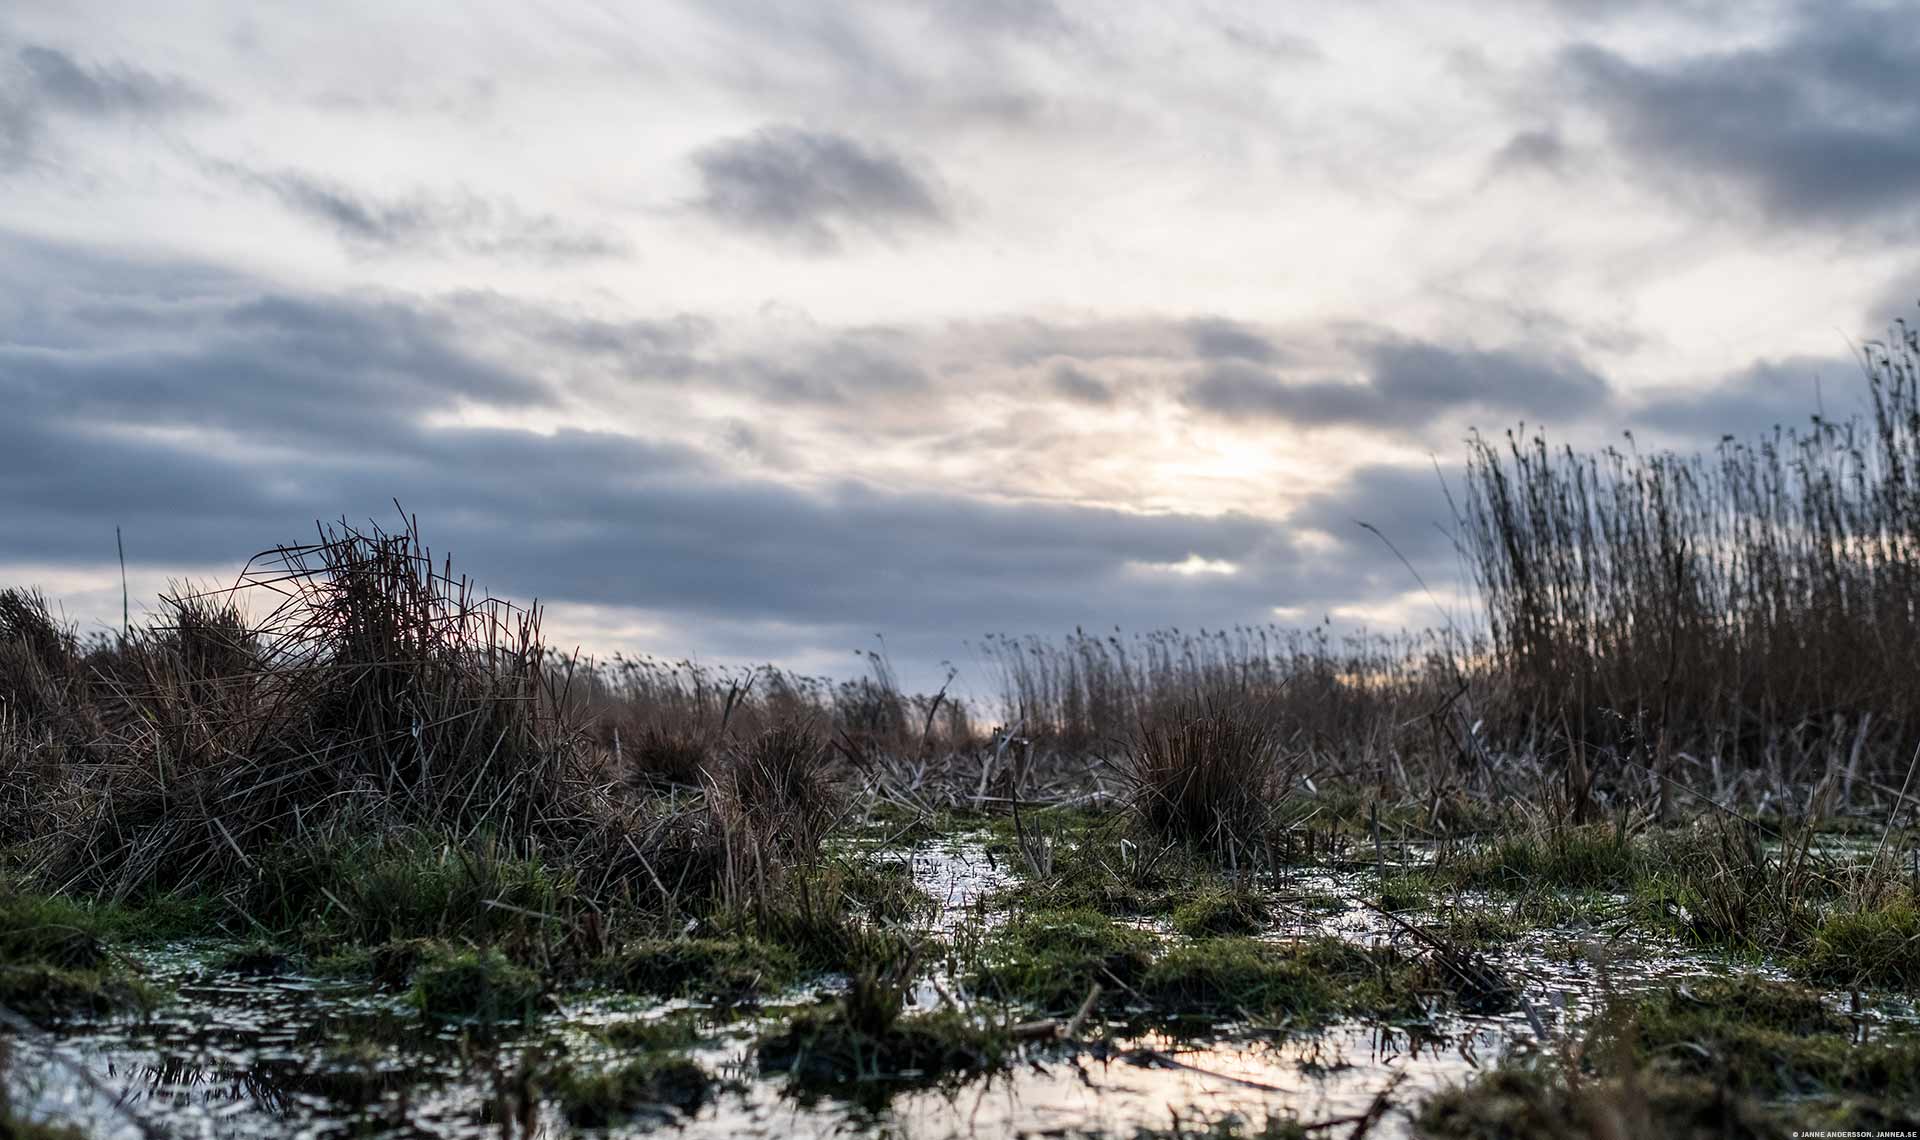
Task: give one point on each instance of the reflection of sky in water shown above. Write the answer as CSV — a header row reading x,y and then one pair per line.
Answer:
x,y
263,1057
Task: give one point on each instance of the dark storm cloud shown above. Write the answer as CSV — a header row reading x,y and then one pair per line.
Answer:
x,y
811,189
1408,384
39,81
429,223
1822,125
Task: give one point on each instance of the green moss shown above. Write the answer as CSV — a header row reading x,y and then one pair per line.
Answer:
x,y
727,968
826,1047
1053,958
650,1035
1220,912
346,962
1879,947
1408,890
1058,822
652,1086
815,925
1529,1103
1098,861
1304,981
259,958
1352,812
1571,858
1739,1058
883,891
384,890
1319,902
474,985
47,931
54,960
1479,928
390,966
49,993
1764,1038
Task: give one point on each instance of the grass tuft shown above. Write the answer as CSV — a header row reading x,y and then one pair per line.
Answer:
x,y
1212,773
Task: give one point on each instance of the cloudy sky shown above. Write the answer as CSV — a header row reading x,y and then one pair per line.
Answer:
x,y
751,329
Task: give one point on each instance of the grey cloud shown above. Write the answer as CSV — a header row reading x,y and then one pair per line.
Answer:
x,y
844,367
323,405
19,129
1280,47
968,64
1532,150
270,369
1019,18
1897,300
1079,385
812,189
1228,340
1757,399
1409,385
41,81
430,223
59,81
669,348
1822,125
1406,503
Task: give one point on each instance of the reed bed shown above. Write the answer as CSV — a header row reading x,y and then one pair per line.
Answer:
x,y
1740,626
1753,608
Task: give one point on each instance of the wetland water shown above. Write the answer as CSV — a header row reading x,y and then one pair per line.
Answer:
x,y
282,1054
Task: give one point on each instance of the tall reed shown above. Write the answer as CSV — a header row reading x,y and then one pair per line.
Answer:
x,y
1757,603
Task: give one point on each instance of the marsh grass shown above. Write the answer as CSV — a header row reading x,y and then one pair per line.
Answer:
x,y
1300,983
1737,1057
58,958
1052,959
353,743
866,1036
1217,774
355,756
370,890
482,986
649,1088
1753,604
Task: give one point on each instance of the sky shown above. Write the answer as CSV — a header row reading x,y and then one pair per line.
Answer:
x,y
749,331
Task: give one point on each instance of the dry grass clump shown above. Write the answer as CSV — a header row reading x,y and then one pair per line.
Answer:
x,y
773,801
377,687
653,715
383,721
664,755
1078,691
42,679
1215,773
